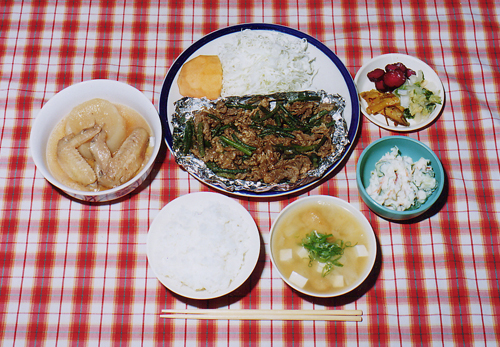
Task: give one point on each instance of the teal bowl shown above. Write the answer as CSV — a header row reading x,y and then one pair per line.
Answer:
x,y
408,147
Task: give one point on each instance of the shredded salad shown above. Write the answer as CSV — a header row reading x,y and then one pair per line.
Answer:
x,y
264,62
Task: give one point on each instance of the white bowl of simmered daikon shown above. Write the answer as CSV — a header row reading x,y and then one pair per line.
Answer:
x,y
322,246
96,140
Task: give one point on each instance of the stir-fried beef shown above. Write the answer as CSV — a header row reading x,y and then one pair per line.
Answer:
x,y
270,140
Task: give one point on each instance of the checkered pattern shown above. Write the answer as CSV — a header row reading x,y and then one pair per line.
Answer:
x,y
74,273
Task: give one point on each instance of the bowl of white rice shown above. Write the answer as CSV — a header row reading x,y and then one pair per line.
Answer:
x,y
203,245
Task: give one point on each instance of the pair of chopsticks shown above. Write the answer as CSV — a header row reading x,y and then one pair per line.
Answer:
x,y
249,314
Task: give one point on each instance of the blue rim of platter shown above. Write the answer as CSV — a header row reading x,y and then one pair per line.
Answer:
x,y
184,56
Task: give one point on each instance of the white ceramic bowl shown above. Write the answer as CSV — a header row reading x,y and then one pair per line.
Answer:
x,y
179,235
63,102
371,241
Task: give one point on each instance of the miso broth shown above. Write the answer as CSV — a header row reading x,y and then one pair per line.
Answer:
x,y
325,218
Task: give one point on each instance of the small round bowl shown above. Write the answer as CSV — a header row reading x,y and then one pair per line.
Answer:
x,y
63,102
297,258
408,147
196,241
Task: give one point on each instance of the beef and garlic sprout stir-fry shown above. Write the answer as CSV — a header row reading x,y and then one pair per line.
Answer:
x,y
270,139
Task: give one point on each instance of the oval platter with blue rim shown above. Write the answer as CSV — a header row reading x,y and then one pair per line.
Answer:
x,y
333,77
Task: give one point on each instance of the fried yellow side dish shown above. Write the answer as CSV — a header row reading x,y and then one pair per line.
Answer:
x,y
386,104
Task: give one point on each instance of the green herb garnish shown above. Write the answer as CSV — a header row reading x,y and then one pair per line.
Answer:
x,y
324,251
427,93
407,113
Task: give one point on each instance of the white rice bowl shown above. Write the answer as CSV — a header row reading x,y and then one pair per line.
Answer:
x,y
203,245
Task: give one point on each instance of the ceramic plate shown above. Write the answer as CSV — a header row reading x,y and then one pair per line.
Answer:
x,y
364,84
200,207
333,77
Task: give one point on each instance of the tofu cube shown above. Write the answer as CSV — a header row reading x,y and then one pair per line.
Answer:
x,y
286,254
361,251
280,241
299,280
320,266
337,281
303,253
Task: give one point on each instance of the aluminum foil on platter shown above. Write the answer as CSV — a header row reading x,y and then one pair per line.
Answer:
x,y
186,108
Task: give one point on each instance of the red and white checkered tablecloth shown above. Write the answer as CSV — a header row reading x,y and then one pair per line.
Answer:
x,y
77,274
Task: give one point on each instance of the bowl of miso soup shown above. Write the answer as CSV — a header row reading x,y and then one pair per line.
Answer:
x,y
322,246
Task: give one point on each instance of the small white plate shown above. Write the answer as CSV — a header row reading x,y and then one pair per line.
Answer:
x,y
196,206
364,84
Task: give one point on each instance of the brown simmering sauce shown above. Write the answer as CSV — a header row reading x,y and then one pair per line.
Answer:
x,y
130,150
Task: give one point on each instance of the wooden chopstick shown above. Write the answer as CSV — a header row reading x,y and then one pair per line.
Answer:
x,y
249,314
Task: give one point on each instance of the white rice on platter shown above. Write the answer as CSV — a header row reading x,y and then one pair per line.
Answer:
x,y
264,62
203,246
